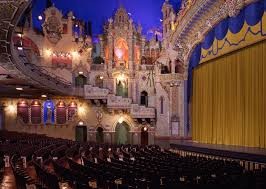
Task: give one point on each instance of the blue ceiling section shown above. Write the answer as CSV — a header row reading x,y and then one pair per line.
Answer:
x,y
145,12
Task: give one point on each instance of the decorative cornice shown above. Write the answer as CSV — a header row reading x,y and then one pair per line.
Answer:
x,y
201,18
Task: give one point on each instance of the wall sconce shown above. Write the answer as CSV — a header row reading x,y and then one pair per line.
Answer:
x,y
120,120
11,108
48,52
74,54
121,77
81,110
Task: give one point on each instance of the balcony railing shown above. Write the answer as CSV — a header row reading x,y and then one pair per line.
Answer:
x,y
138,111
91,92
97,67
118,102
146,67
171,77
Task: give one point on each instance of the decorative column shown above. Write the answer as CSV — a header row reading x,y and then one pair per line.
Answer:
x,y
143,40
111,50
130,42
110,45
69,23
175,106
101,46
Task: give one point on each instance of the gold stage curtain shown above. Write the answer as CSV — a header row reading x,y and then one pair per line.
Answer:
x,y
229,99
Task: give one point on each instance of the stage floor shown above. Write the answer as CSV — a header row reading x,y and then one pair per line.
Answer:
x,y
248,153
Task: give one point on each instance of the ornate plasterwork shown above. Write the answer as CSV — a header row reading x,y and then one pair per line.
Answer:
x,y
184,45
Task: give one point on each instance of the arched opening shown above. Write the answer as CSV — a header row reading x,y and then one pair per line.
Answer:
x,y
72,110
99,81
61,113
99,135
144,98
80,81
23,111
36,112
162,105
144,136
179,67
122,86
122,133
48,112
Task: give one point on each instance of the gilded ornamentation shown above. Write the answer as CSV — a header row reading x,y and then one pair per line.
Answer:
x,y
52,25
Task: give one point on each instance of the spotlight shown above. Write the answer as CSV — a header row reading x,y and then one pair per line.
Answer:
x,y
81,123
19,88
44,96
76,25
80,73
145,129
40,17
20,48
101,77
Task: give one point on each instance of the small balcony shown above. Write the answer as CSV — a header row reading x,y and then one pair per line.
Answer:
x,y
97,67
138,111
146,67
91,92
118,102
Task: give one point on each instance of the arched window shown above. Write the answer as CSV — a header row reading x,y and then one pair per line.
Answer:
x,y
61,113
99,135
48,112
80,80
144,98
162,104
72,110
36,112
23,111
99,81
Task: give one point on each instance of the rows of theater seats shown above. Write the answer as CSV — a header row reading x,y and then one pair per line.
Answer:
x,y
62,163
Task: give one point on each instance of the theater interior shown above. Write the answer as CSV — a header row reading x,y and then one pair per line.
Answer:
x,y
136,94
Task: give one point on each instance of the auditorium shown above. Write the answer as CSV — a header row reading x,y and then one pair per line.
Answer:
x,y
143,94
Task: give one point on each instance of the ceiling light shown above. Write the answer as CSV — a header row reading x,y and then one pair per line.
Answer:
x,y
40,17
44,96
19,88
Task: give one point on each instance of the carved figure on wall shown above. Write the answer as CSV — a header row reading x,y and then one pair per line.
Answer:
x,y
53,26
99,116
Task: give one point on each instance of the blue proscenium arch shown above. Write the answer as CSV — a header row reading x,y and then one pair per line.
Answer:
x,y
252,14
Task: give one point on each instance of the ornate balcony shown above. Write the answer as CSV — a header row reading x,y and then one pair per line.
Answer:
x,y
118,102
138,111
91,92
146,67
97,67
171,77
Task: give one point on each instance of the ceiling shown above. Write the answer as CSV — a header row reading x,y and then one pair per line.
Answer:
x,y
9,83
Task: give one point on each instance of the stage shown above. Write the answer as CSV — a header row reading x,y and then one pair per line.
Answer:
x,y
234,152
